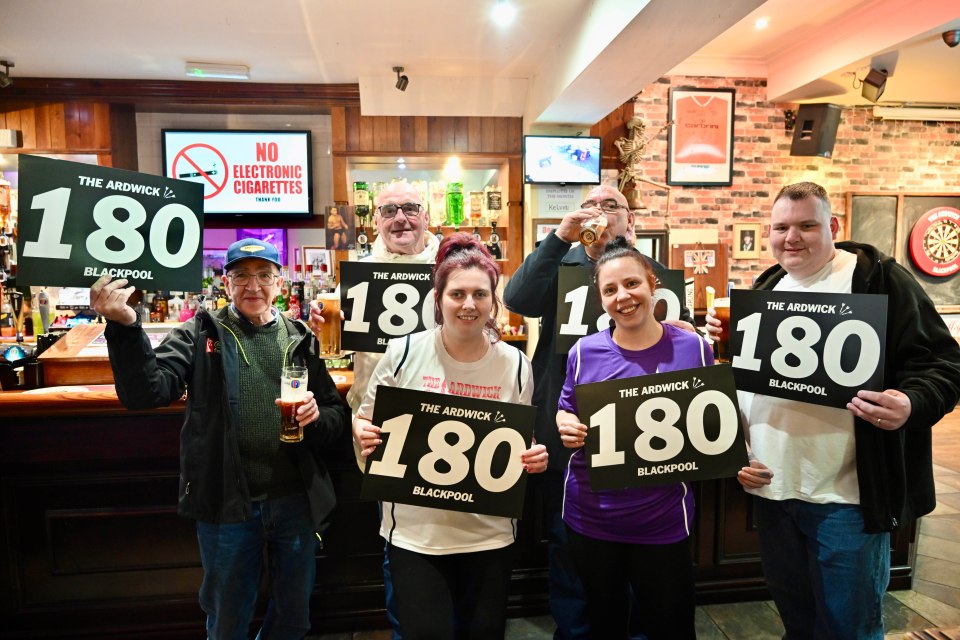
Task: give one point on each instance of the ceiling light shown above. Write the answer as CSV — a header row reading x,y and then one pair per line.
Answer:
x,y
209,70
952,37
873,84
503,12
761,23
5,79
402,81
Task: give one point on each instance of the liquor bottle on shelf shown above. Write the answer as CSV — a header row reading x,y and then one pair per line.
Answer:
x,y
160,309
309,293
363,243
437,205
298,285
494,203
476,208
454,203
283,298
361,201
5,207
294,310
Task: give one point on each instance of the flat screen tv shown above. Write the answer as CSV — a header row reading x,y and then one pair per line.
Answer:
x,y
264,173
561,160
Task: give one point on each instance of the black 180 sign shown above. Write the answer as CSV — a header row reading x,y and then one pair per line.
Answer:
x,y
579,312
819,348
449,452
662,428
80,221
381,301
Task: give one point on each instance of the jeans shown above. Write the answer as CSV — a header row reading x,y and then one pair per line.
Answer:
x,y
826,575
232,557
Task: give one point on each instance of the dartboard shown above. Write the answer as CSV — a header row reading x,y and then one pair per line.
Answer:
x,y
935,242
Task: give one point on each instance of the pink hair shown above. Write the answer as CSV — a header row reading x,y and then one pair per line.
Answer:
x,y
464,251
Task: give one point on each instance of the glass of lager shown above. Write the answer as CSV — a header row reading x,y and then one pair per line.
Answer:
x,y
721,307
330,328
293,393
592,229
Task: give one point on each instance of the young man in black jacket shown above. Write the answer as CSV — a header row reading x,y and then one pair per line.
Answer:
x,y
246,490
830,484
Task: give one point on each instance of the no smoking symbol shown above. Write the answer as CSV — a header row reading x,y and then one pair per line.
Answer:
x,y
204,164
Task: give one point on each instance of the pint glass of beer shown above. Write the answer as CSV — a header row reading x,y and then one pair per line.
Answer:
x,y
330,329
592,229
293,393
721,307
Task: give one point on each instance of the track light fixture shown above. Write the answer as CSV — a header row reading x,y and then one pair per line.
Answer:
x,y
402,81
952,37
5,79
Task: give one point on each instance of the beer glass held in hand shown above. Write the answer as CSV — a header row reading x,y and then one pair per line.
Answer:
x,y
330,329
293,393
721,307
592,229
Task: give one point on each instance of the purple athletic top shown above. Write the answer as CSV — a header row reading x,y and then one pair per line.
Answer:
x,y
639,515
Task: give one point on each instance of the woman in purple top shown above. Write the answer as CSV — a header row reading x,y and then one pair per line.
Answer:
x,y
636,537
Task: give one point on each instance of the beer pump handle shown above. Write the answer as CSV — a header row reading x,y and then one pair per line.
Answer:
x,y
16,303
43,302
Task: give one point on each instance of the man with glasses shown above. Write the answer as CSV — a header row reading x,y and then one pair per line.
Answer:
x,y
532,292
246,490
401,223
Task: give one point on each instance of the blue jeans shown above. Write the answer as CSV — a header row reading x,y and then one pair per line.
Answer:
x,y
826,575
232,556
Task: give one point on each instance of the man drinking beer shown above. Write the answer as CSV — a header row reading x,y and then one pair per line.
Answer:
x,y
245,488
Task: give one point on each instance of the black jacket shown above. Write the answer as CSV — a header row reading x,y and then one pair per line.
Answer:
x,y
532,292
201,357
894,468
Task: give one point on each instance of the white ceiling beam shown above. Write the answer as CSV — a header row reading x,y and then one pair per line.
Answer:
x,y
614,54
867,30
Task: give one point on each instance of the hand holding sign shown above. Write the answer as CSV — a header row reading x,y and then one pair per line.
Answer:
x,y
447,451
819,348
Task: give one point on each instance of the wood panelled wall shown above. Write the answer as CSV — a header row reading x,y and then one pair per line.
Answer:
x,y
486,138
74,127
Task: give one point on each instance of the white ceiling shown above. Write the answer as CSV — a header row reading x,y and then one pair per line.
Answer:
x,y
561,61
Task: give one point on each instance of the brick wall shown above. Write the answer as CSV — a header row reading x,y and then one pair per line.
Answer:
x,y
870,155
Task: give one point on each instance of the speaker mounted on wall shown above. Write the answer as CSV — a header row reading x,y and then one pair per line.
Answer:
x,y
816,130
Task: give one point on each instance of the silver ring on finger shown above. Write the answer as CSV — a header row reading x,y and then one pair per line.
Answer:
x,y
879,420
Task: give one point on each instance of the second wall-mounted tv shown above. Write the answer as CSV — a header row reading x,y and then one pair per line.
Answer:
x,y
561,160
266,173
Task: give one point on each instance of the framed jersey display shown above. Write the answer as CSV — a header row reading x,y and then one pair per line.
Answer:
x,y
700,142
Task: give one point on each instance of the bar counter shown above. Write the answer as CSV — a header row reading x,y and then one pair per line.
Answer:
x,y
94,548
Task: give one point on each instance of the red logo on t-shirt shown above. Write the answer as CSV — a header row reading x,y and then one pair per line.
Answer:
x,y
210,346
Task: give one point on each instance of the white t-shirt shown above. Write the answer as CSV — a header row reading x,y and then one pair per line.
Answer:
x,y
810,448
428,367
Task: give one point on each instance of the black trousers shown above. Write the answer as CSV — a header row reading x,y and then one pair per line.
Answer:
x,y
662,579
461,596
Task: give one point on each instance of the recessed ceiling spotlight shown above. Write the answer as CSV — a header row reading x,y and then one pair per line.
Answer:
x,y
761,23
503,12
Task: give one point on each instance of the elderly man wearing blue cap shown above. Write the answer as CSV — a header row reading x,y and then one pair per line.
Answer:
x,y
245,488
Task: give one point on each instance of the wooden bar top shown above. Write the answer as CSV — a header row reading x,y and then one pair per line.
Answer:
x,y
98,399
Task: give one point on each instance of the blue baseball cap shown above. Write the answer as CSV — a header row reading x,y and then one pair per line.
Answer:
x,y
251,248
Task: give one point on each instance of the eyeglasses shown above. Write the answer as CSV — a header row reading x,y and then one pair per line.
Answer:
x,y
409,209
242,279
608,206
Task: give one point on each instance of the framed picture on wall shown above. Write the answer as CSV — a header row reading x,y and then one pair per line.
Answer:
x,y
746,240
700,141
543,226
318,257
